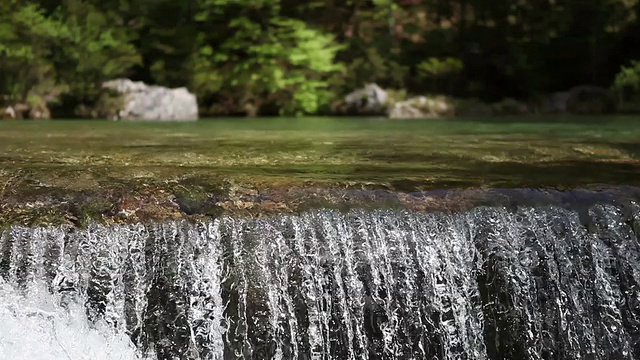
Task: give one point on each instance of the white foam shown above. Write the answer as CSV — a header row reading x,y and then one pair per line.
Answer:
x,y
34,326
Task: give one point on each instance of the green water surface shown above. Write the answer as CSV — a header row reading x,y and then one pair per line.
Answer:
x,y
557,152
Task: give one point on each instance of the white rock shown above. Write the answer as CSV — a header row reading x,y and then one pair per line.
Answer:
x,y
144,102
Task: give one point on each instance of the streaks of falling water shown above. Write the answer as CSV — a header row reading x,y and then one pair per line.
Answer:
x,y
531,283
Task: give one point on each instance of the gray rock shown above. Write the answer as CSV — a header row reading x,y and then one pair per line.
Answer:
x,y
9,113
371,99
422,107
406,110
39,112
125,86
142,102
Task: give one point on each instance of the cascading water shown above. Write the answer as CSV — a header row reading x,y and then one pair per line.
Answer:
x,y
527,283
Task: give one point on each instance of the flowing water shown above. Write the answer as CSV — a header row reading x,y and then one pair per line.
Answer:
x,y
523,283
414,155
505,273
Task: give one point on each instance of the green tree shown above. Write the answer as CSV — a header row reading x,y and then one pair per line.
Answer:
x,y
97,47
441,71
67,47
27,40
626,86
273,61
294,57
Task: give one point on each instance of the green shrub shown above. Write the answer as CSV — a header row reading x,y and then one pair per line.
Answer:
x,y
434,67
396,95
441,73
509,106
472,107
279,61
626,86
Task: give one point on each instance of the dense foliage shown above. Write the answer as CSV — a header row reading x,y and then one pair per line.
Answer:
x,y
627,87
296,57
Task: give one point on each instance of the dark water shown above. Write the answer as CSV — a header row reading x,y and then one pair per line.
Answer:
x,y
490,283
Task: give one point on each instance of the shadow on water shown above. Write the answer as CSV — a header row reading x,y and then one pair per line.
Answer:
x,y
561,174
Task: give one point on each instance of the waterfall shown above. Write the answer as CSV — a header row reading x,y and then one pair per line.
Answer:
x,y
541,282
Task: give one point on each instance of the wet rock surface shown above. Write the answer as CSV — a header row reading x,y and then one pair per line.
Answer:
x,y
191,198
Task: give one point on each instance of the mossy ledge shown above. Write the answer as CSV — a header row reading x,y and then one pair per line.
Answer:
x,y
30,203
80,172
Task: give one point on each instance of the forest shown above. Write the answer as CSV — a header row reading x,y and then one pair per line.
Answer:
x,y
270,57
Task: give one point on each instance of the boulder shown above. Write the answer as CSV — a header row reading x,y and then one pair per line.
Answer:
x,y
370,100
406,110
21,111
8,113
422,107
137,101
39,112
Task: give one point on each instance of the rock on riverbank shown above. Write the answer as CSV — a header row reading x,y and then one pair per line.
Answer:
x,y
137,101
374,100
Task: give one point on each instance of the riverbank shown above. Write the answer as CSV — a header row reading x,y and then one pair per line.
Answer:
x,y
123,99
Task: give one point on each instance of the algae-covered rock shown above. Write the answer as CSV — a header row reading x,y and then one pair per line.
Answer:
x,y
196,201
